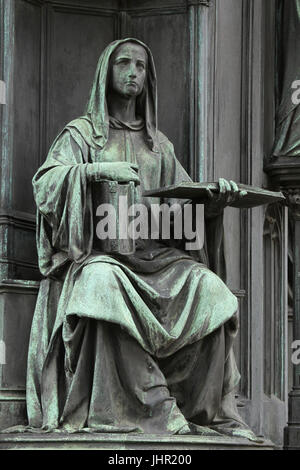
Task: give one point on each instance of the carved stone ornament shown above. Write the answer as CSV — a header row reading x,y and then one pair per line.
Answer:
x,y
293,201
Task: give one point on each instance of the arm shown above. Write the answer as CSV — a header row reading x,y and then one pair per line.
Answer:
x,y
63,197
214,212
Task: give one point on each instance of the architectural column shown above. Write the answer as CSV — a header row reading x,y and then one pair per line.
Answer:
x,y
283,168
292,431
199,73
284,173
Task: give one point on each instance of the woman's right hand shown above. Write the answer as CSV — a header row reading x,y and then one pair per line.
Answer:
x,y
123,172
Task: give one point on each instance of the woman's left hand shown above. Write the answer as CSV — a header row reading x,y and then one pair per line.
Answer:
x,y
228,193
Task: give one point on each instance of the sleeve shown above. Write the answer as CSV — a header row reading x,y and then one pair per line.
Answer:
x,y
64,205
212,254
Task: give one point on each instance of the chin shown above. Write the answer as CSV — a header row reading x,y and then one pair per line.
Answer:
x,y
131,94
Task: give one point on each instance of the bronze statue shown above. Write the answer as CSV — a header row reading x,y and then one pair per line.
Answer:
x,y
287,142
127,343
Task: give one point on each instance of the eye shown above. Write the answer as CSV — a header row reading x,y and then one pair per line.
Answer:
x,y
141,65
122,61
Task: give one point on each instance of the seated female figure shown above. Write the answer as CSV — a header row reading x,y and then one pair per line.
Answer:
x,y
127,343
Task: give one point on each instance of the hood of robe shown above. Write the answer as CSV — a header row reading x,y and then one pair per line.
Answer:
x,y
96,115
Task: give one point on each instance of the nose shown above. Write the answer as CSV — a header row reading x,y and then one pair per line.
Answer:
x,y
132,71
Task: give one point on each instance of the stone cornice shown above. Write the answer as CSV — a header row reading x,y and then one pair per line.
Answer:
x,y
284,172
17,219
293,201
17,286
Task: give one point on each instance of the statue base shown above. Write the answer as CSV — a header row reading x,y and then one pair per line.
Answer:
x,y
64,441
292,431
291,437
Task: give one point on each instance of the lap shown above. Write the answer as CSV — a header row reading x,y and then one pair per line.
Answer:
x,y
106,270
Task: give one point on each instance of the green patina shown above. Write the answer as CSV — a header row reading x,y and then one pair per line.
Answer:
x,y
118,341
287,141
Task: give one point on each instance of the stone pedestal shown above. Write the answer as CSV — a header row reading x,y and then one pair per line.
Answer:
x,y
17,302
62,441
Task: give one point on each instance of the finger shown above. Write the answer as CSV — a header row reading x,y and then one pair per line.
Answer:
x,y
133,172
222,194
134,177
235,193
227,186
243,193
134,166
129,175
222,187
234,187
209,193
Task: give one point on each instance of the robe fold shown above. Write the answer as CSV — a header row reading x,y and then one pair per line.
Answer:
x,y
125,343
287,142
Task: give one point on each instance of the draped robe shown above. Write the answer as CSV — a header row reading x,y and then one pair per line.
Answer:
x,y
125,343
287,142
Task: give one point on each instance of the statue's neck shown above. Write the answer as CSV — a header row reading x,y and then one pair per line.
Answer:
x,y
122,108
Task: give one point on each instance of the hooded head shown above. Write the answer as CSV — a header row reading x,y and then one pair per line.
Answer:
x,y
146,103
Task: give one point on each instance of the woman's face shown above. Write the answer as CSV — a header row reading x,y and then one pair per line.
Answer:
x,y
128,70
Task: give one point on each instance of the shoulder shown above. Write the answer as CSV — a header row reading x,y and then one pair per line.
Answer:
x,y
70,140
79,130
164,143
81,125
167,152
170,162
162,138
74,128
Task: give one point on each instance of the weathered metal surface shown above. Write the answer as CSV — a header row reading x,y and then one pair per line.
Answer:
x,y
219,55
126,442
148,303
254,197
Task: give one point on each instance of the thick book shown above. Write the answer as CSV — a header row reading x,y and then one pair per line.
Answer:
x,y
198,191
